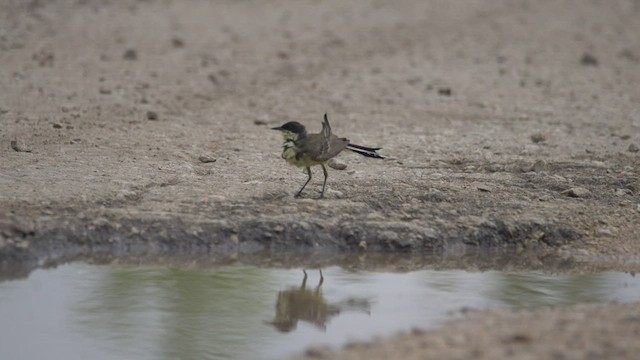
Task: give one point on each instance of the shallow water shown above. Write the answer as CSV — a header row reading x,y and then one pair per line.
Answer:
x,y
81,311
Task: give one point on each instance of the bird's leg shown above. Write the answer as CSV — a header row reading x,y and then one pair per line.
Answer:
x,y
324,170
299,193
304,280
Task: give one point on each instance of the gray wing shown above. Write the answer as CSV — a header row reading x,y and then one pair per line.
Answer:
x,y
326,128
326,136
324,145
331,147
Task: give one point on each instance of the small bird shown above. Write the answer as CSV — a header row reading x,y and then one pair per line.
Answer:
x,y
306,150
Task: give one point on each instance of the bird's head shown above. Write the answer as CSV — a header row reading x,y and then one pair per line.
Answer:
x,y
292,130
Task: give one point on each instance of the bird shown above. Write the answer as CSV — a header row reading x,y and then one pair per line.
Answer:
x,y
306,150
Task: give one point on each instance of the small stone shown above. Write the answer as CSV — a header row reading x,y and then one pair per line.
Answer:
x,y
629,55
104,91
336,164
577,192
152,115
177,42
362,245
57,126
545,198
20,146
588,60
445,91
334,193
622,192
262,119
483,188
130,54
539,166
604,232
318,352
538,138
633,148
207,158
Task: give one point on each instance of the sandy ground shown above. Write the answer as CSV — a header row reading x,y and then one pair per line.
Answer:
x,y
143,126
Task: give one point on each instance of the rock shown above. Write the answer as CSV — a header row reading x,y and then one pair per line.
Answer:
x,y
577,192
177,42
261,119
588,60
622,192
336,164
20,146
362,245
629,55
539,166
334,193
633,148
483,188
130,54
604,232
207,158
445,91
538,138
57,126
152,115
545,198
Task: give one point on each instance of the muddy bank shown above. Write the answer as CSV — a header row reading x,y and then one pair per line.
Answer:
x,y
566,332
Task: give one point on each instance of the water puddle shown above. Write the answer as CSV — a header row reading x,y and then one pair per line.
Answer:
x,y
81,311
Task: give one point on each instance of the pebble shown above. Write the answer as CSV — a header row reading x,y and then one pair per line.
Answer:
x,y
20,146
57,126
633,148
539,166
538,138
577,192
445,91
483,188
130,54
622,192
207,158
604,232
336,164
152,115
177,42
262,119
588,60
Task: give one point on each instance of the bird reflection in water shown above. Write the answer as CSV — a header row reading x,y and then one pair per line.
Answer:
x,y
309,305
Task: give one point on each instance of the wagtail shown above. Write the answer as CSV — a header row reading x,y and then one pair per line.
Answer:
x,y
306,150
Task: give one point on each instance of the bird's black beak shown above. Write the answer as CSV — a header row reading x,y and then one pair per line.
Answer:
x,y
279,128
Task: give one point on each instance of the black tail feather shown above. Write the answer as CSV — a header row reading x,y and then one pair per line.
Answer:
x,y
363,147
365,151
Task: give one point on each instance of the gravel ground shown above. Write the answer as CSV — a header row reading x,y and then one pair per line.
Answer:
x,y
142,127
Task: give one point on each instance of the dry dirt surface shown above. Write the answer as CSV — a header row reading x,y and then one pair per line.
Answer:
x,y
143,127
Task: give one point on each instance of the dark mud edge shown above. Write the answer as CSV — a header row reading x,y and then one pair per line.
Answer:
x,y
56,240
